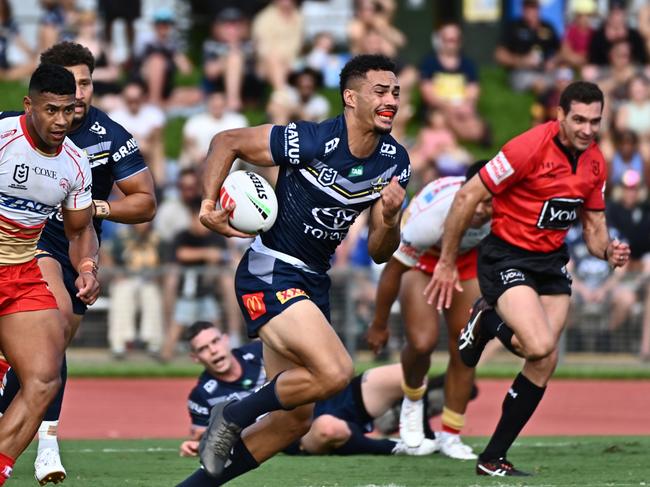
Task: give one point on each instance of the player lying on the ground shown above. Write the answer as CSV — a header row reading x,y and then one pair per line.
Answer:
x,y
412,265
340,423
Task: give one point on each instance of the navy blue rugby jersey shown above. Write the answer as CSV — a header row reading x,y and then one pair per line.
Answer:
x,y
210,391
322,188
113,155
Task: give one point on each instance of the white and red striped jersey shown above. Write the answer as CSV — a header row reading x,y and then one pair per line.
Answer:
x,y
33,185
424,219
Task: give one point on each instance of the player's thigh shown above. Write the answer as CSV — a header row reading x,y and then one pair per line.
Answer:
x,y
556,308
522,310
33,342
380,388
420,319
458,314
53,275
302,335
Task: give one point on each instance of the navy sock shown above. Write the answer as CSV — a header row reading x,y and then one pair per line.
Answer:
x,y
495,326
242,462
245,411
54,409
518,406
11,388
199,479
359,443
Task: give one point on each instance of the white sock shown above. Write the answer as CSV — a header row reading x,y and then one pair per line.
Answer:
x,y
47,435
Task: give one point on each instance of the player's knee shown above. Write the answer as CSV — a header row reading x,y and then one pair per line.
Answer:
x,y
337,378
541,348
330,430
423,345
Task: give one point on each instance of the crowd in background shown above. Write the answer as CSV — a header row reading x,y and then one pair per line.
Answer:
x,y
257,55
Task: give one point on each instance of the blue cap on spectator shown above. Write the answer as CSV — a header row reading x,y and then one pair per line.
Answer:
x,y
163,15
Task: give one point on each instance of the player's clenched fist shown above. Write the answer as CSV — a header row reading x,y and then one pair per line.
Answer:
x,y
392,197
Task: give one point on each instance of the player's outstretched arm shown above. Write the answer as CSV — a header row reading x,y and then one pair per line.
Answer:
x,y
387,291
138,204
250,144
83,251
383,231
596,237
444,280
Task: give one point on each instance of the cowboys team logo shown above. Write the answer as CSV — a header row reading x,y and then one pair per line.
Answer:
x,y
327,176
21,173
335,218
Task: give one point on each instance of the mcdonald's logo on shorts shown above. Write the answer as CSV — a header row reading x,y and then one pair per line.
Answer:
x,y
287,294
254,304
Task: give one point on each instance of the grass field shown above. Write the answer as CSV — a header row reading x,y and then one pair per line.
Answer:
x,y
555,461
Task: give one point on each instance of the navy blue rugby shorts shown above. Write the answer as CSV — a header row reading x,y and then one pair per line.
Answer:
x,y
266,286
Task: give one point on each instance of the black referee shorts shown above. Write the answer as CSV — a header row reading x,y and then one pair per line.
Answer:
x,y
502,266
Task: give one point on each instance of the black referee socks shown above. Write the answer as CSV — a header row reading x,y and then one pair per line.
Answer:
x,y
518,406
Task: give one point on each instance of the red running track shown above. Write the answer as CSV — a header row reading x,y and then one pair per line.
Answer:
x,y
156,408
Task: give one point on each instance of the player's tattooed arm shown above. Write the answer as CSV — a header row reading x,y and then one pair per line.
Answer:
x,y
250,144
383,232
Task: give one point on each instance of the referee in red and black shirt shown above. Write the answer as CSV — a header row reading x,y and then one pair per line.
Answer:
x,y
542,181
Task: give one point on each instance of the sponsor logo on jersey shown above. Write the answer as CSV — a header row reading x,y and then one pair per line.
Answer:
x,y
129,147
595,167
197,408
210,386
511,275
23,204
48,173
388,150
292,144
287,294
64,184
327,176
356,171
254,304
21,173
98,129
335,218
559,213
330,145
499,168
8,133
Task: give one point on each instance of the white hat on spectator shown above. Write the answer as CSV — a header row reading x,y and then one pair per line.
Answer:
x,y
583,7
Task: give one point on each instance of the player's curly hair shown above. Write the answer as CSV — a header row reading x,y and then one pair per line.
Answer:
x,y
581,92
358,66
67,54
51,78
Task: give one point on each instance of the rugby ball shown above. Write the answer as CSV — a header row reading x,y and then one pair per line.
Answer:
x,y
256,206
